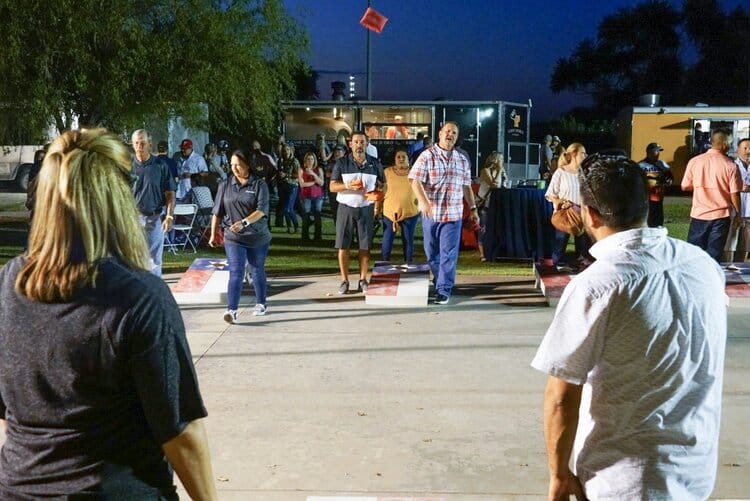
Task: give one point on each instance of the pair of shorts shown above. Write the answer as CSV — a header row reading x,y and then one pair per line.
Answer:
x,y
347,218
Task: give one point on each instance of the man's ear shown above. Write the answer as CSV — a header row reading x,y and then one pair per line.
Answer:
x,y
593,216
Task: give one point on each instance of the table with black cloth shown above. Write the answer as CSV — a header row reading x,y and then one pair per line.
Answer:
x,y
518,224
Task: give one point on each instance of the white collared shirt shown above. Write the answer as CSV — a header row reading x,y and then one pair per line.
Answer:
x,y
643,329
193,164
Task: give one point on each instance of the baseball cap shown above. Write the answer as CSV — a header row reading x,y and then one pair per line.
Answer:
x,y
162,146
555,138
654,146
186,144
340,147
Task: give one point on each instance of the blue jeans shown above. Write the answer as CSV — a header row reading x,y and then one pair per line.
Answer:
x,y
154,240
582,245
237,255
312,207
288,201
441,244
408,226
709,235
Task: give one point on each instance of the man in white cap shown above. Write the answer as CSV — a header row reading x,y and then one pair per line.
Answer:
x,y
659,177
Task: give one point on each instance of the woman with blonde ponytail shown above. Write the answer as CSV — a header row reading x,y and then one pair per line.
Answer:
x,y
564,192
98,393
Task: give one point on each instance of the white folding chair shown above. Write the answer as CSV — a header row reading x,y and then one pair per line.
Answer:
x,y
184,217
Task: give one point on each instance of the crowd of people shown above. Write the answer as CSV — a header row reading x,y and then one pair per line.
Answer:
x,y
630,411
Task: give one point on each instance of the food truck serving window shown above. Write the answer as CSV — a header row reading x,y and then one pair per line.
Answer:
x,y
396,122
303,124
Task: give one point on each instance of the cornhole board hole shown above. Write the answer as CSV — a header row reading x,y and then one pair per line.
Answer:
x,y
205,282
399,284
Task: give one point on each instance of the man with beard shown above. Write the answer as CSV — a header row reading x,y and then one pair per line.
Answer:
x,y
634,354
357,179
441,180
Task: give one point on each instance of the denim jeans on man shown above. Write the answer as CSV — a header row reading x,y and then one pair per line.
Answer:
x,y
441,244
237,256
155,240
408,226
709,235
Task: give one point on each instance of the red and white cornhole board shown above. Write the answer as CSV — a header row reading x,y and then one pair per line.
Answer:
x,y
204,282
400,285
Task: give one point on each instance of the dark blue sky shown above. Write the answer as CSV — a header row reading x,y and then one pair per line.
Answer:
x,y
468,49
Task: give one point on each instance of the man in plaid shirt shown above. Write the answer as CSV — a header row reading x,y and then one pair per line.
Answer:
x,y
441,179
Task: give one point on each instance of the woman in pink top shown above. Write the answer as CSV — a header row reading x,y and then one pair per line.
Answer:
x,y
311,180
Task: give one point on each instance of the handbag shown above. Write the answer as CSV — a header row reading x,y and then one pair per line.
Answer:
x,y
568,221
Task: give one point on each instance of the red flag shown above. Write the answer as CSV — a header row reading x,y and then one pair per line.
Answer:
x,y
373,20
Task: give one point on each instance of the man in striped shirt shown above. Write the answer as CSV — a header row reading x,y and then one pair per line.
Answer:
x,y
441,180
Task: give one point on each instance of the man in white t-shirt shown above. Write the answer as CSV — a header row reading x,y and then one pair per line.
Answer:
x,y
634,355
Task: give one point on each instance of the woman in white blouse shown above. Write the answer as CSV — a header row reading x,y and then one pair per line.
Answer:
x,y
564,191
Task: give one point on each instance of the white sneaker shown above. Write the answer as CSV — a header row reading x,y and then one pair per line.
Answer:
x,y
230,316
259,310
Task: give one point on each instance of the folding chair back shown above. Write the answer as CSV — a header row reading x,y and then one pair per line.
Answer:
x,y
184,220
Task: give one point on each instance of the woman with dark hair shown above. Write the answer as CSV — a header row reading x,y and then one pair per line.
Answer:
x,y
400,211
241,207
98,392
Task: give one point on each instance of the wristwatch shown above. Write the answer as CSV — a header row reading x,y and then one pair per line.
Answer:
x,y
473,207
245,223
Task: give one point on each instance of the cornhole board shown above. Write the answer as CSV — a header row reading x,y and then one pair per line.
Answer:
x,y
399,284
204,282
737,288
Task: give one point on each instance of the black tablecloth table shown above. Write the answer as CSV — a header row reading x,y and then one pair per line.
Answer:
x,y
518,224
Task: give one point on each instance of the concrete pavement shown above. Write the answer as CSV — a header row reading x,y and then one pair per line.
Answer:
x,y
327,396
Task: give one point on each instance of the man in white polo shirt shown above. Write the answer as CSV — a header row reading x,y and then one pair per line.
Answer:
x,y
634,354
357,179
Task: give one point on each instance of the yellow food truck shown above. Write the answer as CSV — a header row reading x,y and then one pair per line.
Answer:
x,y
683,131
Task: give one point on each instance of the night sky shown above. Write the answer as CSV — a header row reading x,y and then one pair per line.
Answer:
x,y
469,49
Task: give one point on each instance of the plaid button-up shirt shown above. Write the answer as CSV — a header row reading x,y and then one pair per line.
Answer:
x,y
443,175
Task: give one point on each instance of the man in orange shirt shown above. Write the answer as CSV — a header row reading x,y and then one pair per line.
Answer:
x,y
716,185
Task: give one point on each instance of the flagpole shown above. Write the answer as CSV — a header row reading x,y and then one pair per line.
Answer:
x,y
369,62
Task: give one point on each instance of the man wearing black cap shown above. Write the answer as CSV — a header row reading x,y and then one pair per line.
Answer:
x,y
659,177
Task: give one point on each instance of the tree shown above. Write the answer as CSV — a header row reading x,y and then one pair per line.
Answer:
x,y
636,51
721,76
116,63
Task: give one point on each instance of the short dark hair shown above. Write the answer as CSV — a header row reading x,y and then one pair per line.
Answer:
x,y
617,188
360,133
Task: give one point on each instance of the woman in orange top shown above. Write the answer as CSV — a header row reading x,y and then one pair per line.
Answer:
x,y
400,209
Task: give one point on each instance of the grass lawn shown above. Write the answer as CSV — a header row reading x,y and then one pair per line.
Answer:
x,y
289,256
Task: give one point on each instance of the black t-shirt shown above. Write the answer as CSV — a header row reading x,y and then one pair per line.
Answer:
x,y
152,179
92,387
235,201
